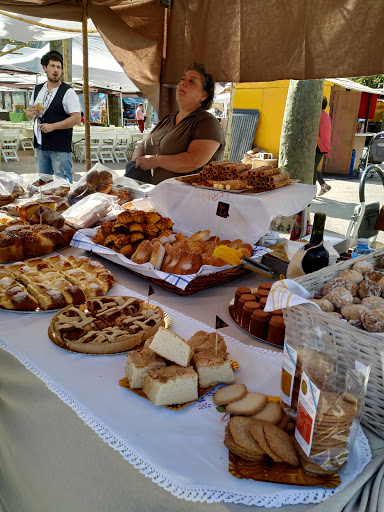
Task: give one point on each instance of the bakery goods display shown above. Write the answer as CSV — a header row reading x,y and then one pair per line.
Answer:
x,y
146,237
356,295
10,187
95,180
49,283
237,176
173,372
105,325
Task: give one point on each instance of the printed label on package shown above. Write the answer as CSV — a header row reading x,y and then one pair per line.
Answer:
x,y
288,373
306,413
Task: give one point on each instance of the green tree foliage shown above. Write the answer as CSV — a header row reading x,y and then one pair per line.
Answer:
x,y
374,81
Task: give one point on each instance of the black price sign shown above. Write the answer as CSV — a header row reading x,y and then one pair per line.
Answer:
x,y
222,210
220,324
150,290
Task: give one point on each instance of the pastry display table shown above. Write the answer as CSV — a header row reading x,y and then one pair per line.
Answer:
x,y
51,460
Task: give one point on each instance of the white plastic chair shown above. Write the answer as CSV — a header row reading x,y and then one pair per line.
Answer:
x,y
10,144
95,141
107,146
121,147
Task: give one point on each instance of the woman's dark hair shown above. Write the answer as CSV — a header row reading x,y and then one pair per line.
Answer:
x,y
208,84
52,55
324,103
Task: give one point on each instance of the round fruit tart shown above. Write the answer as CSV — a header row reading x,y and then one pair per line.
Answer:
x,y
105,325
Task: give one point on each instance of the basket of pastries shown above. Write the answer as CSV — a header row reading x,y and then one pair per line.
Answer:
x,y
147,237
350,295
52,283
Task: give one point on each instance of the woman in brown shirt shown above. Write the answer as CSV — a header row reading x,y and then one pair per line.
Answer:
x,y
184,141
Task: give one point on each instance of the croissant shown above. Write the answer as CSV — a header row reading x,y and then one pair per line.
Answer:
x,y
138,216
125,217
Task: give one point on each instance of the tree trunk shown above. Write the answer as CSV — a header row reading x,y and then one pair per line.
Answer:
x,y
298,139
66,75
300,128
114,110
149,112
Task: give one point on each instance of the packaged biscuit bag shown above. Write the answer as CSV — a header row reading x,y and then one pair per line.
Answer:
x,y
329,404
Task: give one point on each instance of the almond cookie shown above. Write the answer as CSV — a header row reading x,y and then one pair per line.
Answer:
x,y
257,430
373,321
353,311
336,282
237,449
363,266
271,412
340,297
281,443
248,405
324,304
240,430
229,394
373,302
369,289
335,314
374,275
352,275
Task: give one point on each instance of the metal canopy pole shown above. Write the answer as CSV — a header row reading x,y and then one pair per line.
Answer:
x,y
86,89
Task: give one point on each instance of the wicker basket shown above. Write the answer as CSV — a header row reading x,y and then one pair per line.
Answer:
x,y
352,343
200,282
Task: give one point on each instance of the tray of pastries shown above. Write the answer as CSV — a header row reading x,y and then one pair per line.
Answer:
x,y
38,230
238,177
173,372
106,325
54,282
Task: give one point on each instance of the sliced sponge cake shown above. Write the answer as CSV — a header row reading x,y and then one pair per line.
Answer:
x,y
171,385
138,363
169,345
213,368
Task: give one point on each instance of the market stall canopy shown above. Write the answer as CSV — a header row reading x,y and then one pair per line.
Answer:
x,y
30,28
249,41
104,71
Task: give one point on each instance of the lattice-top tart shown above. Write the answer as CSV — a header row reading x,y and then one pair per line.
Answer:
x,y
105,325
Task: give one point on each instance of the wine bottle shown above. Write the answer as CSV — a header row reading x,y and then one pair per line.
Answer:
x,y
313,256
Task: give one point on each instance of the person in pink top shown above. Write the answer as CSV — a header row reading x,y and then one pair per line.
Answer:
x,y
323,147
140,117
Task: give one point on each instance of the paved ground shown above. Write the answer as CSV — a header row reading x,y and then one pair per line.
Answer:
x,y
338,204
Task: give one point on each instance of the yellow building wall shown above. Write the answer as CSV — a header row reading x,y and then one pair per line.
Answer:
x,y
269,99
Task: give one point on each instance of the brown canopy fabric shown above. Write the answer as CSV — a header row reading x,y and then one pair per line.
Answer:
x,y
238,40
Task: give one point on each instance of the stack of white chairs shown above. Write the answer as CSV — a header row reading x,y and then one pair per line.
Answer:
x,y
10,140
121,146
95,142
107,146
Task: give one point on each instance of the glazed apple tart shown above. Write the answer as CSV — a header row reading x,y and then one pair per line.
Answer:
x,y
105,325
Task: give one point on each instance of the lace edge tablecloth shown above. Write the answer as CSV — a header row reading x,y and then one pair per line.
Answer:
x,y
191,462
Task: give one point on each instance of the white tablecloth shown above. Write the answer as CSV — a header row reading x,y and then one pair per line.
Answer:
x,y
250,215
181,451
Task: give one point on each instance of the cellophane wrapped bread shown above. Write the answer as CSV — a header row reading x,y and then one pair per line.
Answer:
x,y
11,187
98,179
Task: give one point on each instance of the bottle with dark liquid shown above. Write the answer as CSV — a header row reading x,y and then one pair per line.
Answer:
x,y
313,256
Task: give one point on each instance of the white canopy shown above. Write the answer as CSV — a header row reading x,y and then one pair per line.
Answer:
x,y
104,70
12,26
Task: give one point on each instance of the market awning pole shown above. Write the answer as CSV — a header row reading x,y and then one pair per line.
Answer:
x,y
86,89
